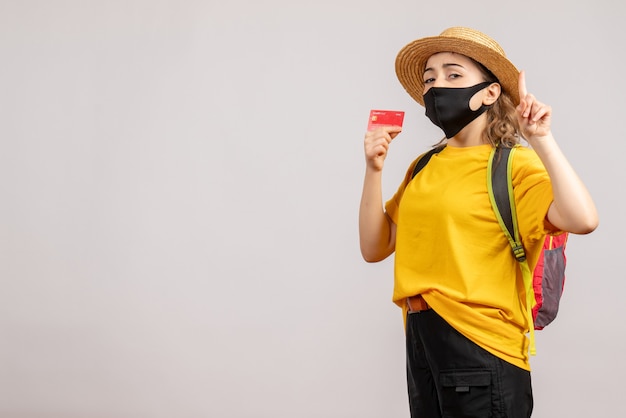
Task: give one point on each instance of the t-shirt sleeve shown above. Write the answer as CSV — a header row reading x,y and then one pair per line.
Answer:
x,y
393,204
533,196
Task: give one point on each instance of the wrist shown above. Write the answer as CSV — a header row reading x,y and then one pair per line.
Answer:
x,y
539,140
373,168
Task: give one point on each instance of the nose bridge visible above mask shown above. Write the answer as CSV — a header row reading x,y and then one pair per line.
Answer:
x,y
449,108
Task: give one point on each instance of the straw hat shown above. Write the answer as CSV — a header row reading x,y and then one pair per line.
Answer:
x,y
411,59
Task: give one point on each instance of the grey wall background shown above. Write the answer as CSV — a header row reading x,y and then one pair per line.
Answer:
x,y
179,185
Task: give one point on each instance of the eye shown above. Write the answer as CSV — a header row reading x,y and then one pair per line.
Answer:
x,y
454,75
429,80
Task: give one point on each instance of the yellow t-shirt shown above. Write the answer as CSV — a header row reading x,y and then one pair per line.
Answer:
x,y
451,249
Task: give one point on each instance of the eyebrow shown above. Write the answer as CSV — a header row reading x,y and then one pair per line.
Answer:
x,y
447,65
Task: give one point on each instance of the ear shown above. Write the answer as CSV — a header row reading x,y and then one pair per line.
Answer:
x,y
491,94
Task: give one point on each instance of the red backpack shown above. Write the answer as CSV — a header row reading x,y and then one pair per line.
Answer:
x,y
549,279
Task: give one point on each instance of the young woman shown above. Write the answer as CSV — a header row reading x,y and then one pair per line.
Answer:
x,y
456,279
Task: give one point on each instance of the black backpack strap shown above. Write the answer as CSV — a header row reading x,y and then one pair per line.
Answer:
x,y
503,202
421,163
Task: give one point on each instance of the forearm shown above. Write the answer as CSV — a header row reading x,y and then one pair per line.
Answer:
x,y
376,231
573,209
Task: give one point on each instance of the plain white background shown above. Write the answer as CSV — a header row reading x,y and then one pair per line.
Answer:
x,y
179,190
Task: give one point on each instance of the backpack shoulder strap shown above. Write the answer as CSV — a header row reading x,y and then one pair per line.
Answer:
x,y
500,187
421,163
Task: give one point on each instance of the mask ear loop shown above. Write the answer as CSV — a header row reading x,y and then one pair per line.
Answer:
x,y
498,94
480,87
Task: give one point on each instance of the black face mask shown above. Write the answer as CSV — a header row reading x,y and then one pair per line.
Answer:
x,y
449,108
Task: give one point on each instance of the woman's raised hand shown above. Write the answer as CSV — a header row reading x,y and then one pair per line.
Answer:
x,y
533,116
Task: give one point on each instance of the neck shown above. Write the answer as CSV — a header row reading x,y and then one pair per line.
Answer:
x,y
471,135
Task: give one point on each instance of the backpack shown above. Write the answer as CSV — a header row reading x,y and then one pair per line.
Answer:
x,y
545,283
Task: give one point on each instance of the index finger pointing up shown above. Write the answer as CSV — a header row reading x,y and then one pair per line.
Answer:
x,y
522,85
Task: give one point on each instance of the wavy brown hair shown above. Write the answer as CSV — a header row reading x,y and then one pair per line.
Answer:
x,y
502,126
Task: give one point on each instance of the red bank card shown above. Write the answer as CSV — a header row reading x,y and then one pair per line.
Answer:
x,y
385,118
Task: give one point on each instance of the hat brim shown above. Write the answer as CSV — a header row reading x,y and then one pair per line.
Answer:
x,y
411,62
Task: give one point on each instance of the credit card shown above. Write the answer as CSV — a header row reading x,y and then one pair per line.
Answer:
x,y
384,118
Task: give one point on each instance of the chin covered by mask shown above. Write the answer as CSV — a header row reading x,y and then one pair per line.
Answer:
x,y
449,108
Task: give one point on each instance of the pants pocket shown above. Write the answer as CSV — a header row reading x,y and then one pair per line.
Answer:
x,y
466,393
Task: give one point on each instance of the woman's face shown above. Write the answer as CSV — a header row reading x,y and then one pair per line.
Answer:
x,y
449,69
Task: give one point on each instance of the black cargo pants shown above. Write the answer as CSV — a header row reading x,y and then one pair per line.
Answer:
x,y
449,376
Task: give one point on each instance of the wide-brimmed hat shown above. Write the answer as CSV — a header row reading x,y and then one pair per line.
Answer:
x,y
411,59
